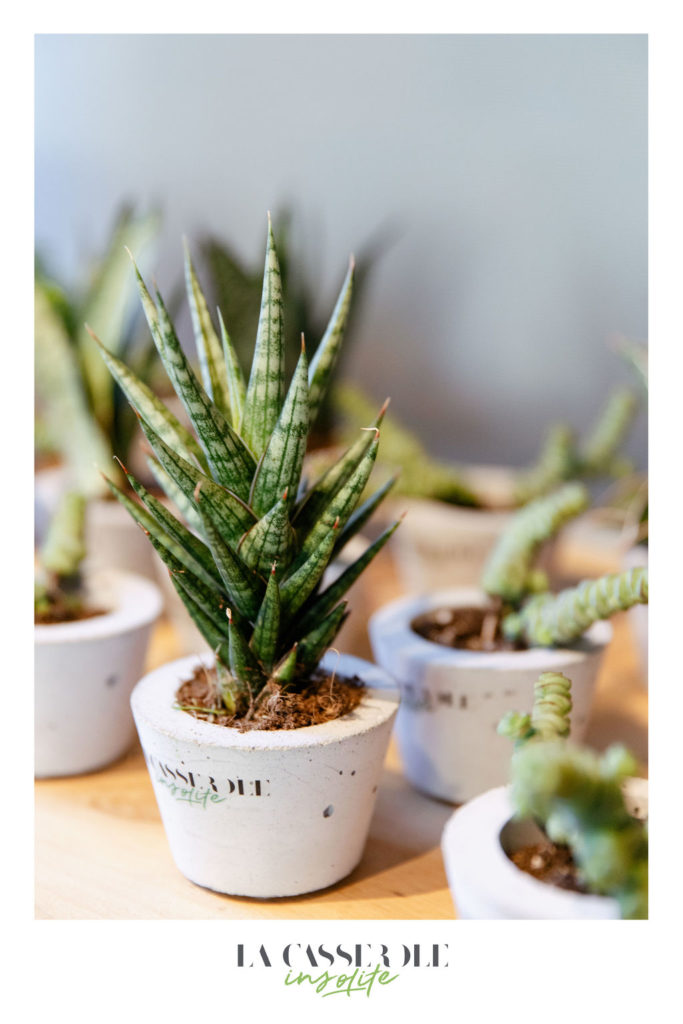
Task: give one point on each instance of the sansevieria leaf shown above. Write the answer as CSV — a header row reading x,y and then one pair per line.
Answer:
x,y
270,540
280,468
322,364
265,392
209,350
236,386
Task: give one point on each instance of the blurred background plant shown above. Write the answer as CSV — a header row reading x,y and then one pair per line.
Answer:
x,y
81,416
58,595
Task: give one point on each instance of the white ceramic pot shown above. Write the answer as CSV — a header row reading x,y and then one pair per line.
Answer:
x,y
84,674
637,558
113,538
265,813
452,700
486,885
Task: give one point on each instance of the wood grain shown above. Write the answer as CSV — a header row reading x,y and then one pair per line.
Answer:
x,y
101,852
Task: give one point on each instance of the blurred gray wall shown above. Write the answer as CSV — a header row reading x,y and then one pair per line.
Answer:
x,y
511,170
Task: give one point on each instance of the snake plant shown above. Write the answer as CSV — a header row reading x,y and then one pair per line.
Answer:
x,y
58,583
575,795
529,612
249,570
81,415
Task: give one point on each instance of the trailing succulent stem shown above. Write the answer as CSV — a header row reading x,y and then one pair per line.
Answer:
x,y
509,572
58,579
576,797
549,718
248,561
547,619
563,458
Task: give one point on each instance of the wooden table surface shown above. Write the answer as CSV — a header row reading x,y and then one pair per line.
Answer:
x,y
101,851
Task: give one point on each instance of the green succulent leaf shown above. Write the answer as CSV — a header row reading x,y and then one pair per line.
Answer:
x,y
360,517
209,350
63,549
280,468
229,513
299,586
316,642
270,540
236,385
247,674
175,495
265,392
244,588
323,363
151,408
264,641
323,603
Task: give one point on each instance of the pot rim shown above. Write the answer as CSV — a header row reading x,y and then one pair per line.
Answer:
x,y
152,700
136,602
395,617
474,832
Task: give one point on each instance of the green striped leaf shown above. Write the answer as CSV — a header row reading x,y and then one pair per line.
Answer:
x,y
316,642
362,514
236,385
342,504
324,602
165,542
270,540
230,515
280,468
151,408
209,349
247,674
174,494
198,553
231,463
265,392
267,627
244,588
298,587
322,365
212,605
211,634
315,500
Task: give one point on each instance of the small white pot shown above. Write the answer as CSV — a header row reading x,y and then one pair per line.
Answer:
x,y
113,538
486,885
265,813
637,558
453,700
84,674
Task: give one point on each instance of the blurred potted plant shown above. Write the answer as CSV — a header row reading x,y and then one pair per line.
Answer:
x,y
454,515
464,657
91,635
565,840
81,417
225,734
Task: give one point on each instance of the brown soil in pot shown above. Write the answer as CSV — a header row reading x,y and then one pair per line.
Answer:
x,y
549,863
65,612
470,629
324,698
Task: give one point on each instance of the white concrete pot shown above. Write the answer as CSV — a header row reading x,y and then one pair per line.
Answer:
x,y
113,538
484,882
452,700
84,674
265,814
637,558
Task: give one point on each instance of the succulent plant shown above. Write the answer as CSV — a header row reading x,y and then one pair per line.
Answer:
x,y
575,796
57,592
249,571
81,415
529,612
